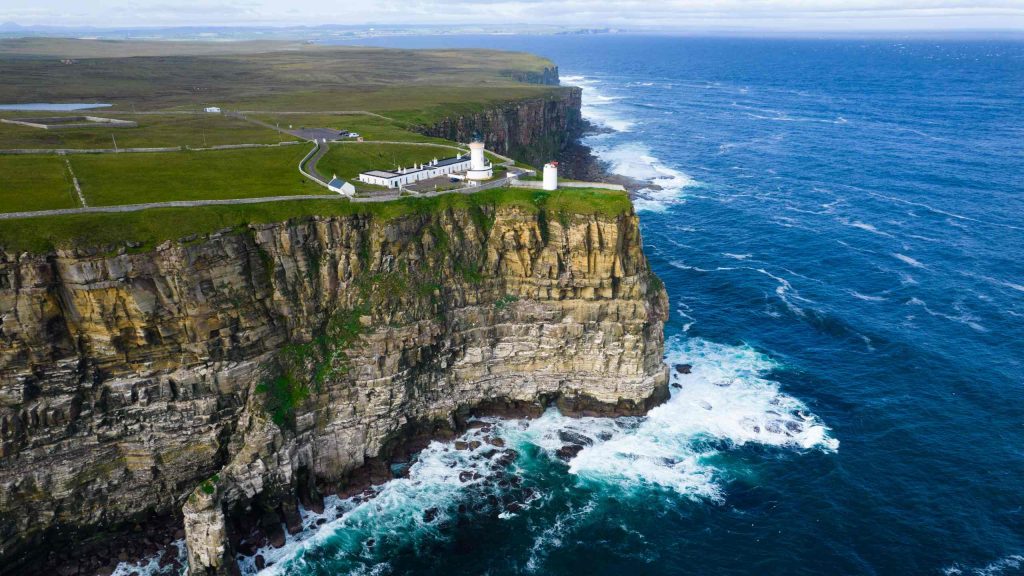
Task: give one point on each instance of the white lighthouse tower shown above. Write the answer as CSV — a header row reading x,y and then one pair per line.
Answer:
x,y
479,167
551,176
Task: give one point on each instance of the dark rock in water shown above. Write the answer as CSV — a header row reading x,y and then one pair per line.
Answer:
x,y
723,383
465,476
261,562
289,511
500,443
684,368
492,500
477,424
504,484
569,451
277,537
461,445
794,426
775,427
321,521
371,542
604,436
516,480
507,458
757,429
514,507
473,445
528,493
570,437
249,545
677,385
462,508
430,514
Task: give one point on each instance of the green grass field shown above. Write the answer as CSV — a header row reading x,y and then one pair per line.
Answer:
x,y
154,131
148,228
348,160
264,76
136,178
35,183
369,127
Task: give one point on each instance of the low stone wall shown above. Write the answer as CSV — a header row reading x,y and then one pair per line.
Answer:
x,y
71,122
537,184
120,150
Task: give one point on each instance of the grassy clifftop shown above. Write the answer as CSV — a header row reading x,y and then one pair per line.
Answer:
x,y
145,229
261,75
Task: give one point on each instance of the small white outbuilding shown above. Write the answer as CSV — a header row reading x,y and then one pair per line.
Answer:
x,y
341,186
213,109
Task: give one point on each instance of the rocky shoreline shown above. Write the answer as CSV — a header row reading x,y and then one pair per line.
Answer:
x,y
577,161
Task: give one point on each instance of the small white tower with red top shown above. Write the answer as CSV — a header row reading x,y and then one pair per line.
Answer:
x,y
551,176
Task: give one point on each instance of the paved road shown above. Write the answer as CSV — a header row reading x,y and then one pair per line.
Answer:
x,y
174,204
321,150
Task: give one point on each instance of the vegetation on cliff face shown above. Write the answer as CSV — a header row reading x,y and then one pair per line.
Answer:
x,y
324,358
356,320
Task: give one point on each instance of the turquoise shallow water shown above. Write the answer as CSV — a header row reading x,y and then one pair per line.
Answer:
x,y
839,226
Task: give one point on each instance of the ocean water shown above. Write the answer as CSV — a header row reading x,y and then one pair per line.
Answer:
x,y
840,227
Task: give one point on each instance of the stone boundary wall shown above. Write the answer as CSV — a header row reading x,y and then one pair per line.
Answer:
x,y
70,122
569,184
13,151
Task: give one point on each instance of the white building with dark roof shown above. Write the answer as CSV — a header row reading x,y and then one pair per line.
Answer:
x,y
341,186
404,176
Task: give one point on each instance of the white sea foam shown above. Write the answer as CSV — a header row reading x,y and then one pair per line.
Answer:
x,y
150,566
634,160
631,159
864,226
596,105
908,260
867,298
1011,562
724,402
736,256
395,510
964,316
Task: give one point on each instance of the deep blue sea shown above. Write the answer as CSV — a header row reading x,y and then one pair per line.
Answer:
x,y
840,226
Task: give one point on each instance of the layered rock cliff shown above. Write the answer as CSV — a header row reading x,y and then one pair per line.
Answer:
x,y
534,130
226,375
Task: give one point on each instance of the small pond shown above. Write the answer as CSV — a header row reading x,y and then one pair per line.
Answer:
x,y
50,107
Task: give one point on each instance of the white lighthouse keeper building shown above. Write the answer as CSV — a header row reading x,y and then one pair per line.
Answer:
x,y
479,167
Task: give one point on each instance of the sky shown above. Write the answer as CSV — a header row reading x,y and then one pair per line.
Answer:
x,y
798,15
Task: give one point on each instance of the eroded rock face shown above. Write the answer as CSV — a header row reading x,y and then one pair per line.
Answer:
x,y
534,130
136,384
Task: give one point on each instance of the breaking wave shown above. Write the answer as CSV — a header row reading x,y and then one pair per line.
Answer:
x,y
596,103
721,400
724,402
630,159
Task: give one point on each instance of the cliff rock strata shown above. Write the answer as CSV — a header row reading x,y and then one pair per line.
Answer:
x,y
534,130
223,375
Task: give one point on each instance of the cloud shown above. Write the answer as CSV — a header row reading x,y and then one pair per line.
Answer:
x,y
801,14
